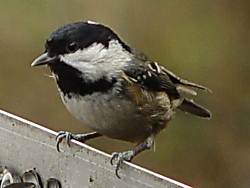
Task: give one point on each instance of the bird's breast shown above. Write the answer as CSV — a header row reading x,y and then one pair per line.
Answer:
x,y
111,115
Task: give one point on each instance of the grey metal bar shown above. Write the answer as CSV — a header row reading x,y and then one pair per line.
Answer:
x,y
24,144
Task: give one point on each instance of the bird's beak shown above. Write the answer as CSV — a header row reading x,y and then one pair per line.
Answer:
x,y
43,59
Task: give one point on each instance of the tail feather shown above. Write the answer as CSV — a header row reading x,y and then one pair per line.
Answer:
x,y
190,106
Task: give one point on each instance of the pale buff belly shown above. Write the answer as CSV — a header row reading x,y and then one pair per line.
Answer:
x,y
109,115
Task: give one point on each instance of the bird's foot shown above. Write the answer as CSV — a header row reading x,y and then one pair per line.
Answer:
x,y
120,157
61,136
79,137
129,155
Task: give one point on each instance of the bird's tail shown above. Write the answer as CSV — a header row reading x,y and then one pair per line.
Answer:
x,y
190,106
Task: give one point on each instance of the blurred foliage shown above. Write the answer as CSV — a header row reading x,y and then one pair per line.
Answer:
x,y
204,41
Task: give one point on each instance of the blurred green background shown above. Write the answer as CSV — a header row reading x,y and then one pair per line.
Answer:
x,y
205,41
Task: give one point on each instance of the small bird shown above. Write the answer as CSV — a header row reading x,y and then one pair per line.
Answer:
x,y
114,89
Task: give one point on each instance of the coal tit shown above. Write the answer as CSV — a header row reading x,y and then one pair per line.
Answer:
x,y
114,89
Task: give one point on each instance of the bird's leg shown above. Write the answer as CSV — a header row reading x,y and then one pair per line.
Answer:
x,y
79,137
129,155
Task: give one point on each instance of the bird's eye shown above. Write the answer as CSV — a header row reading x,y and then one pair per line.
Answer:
x,y
72,47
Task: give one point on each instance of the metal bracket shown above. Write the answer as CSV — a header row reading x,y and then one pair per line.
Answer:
x,y
26,145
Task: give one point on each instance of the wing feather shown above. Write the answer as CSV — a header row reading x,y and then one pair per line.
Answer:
x,y
152,78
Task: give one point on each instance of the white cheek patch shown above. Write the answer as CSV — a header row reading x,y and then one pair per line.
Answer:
x,y
85,55
96,60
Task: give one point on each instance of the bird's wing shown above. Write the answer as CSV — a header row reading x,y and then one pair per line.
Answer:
x,y
151,77
177,80
154,77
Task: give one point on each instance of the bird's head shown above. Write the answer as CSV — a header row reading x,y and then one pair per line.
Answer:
x,y
88,47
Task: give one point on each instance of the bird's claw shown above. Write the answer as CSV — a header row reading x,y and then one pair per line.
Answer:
x,y
120,157
61,136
